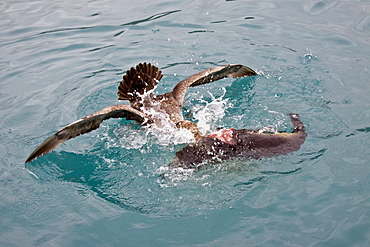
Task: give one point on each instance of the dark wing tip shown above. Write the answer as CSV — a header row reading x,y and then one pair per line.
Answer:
x,y
46,147
238,70
232,71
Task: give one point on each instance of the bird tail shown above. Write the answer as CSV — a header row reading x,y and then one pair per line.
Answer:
x,y
138,80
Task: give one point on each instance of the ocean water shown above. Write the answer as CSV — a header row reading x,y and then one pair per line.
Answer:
x,y
63,60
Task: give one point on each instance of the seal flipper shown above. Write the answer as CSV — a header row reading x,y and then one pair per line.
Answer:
x,y
297,123
85,125
138,80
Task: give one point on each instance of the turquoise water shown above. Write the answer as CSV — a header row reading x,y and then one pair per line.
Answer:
x,y
62,60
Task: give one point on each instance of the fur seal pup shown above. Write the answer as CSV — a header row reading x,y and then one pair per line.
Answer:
x,y
136,87
232,143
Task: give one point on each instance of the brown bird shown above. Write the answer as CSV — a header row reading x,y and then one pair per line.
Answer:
x,y
136,87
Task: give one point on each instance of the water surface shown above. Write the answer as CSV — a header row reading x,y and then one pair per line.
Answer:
x,y
63,60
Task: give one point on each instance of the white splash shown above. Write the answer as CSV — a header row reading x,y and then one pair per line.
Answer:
x,y
164,132
33,174
209,114
170,177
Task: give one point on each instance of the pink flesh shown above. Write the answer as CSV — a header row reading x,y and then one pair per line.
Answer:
x,y
224,135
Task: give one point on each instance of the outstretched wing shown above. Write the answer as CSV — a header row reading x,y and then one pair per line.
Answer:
x,y
85,125
210,75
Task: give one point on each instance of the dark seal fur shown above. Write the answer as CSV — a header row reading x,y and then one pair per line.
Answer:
x,y
241,143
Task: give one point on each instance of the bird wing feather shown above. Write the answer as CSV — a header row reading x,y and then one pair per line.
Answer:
x,y
210,75
85,125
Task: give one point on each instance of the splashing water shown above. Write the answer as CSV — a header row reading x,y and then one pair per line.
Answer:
x,y
164,132
170,177
208,115
163,136
126,137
